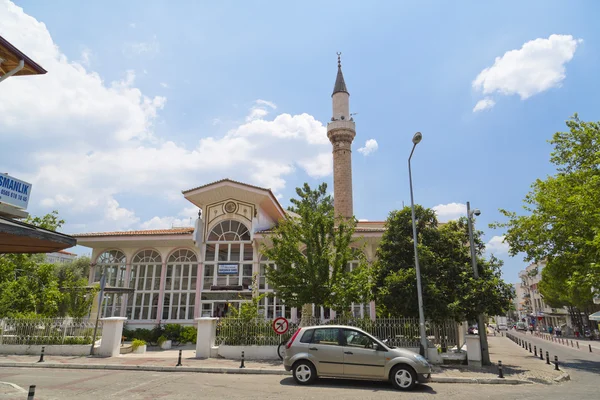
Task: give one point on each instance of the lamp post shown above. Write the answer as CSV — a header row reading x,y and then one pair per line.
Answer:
x,y
423,348
485,354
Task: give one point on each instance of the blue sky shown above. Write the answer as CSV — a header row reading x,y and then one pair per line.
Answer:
x,y
145,98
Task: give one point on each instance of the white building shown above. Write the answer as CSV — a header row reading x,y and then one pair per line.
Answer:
x,y
183,273
60,257
531,303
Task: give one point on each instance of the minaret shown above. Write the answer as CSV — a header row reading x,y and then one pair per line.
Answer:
x,y
341,132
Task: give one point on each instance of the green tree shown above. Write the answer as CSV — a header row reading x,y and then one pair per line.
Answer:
x,y
449,288
50,221
561,223
311,249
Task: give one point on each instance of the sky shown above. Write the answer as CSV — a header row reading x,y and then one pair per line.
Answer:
x,y
143,99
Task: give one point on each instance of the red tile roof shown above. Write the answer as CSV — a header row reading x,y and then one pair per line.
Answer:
x,y
66,252
148,232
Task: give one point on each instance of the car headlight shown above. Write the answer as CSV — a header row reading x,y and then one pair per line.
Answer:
x,y
421,360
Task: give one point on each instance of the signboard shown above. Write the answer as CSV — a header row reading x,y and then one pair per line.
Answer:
x,y
281,325
228,269
14,191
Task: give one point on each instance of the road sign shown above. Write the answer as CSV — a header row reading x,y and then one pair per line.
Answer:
x,y
281,325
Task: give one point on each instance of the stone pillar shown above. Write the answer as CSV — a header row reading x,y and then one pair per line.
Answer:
x,y
294,314
207,332
112,331
473,350
372,310
161,293
199,284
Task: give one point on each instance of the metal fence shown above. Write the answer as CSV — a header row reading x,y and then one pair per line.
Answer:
x,y
48,331
400,332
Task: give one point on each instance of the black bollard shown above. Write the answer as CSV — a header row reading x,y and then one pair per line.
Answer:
x,y
535,351
500,373
541,354
589,345
556,363
571,343
31,393
577,344
547,358
42,355
179,361
530,347
242,364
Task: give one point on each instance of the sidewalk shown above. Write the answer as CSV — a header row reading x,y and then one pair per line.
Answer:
x,y
519,366
566,341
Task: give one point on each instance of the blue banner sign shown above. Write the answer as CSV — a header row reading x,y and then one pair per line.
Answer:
x,y
228,269
14,191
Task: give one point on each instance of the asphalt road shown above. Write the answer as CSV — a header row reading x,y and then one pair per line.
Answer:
x,y
582,366
96,384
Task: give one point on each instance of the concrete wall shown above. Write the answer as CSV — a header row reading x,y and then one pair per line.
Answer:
x,y
49,350
250,352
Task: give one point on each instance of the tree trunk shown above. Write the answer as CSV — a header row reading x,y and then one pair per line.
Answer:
x,y
307,314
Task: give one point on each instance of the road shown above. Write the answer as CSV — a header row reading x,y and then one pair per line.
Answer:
x,y
96,384
583,366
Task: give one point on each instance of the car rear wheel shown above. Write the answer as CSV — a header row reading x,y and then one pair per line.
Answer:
x,y
304,373
403,377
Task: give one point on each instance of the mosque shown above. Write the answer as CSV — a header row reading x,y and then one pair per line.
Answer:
x,y
176,275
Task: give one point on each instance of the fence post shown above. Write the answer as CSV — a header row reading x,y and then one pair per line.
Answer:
x,y
242,364
500,373
541,354
556,363
530,347
547,358
590,348
535,351
42,355
179,361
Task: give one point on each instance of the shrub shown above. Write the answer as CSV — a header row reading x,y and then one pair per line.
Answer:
x,y
143,334
128,334
173,331
161,340
137,343
188,334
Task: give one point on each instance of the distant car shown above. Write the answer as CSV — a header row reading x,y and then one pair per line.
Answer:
x,y
521,326
348,352
473,330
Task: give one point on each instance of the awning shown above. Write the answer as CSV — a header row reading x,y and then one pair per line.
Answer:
x,y
595,316
19,237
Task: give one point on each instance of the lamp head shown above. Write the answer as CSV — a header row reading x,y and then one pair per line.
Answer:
x,y
417,138
476,212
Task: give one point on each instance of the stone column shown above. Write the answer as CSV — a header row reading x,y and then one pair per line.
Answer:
x,y
199,284
372,310
207,332
112,331
161,294
125,298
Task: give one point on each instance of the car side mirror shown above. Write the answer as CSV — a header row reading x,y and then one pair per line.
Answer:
x,y
376,347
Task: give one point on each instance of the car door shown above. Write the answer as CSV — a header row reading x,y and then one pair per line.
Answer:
x,y
362,357
326,350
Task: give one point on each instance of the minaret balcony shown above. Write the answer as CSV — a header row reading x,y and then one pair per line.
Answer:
x,y
341,124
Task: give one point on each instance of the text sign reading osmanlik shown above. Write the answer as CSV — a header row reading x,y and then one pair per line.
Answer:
x,y
14,191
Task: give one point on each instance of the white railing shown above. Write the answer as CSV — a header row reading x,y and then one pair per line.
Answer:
x,y
48,331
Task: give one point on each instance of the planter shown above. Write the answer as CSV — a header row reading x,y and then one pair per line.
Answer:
x,y
166,345
140,349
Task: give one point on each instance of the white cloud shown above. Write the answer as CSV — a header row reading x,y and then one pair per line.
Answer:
x,y
370,146
90,143
164,84
166,223
132,24
534,68
85,57
150,47
497,246
484,104
450,211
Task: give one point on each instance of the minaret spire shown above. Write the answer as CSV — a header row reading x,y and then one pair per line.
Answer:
x,y
340,85
341,132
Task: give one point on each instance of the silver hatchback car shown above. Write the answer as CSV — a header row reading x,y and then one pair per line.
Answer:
x,y
348,352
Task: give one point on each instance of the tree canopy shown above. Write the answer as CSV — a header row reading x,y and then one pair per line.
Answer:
x,y
311,249
561,220
449,289
31,286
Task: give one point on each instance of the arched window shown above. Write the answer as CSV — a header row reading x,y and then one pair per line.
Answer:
x,y
180,285
145,279
229,231
112,264
228,261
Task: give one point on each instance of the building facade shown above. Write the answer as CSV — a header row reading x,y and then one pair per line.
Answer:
x,y
60,257
531,305
176,275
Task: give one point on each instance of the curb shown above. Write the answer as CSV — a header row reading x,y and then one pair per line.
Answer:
x,y
486,381
563,377
209,370
242,371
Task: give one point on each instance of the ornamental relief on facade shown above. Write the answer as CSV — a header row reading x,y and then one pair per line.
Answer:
x,y
230,208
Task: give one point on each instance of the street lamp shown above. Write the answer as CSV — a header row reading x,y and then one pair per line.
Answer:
x,y
423,348
485,354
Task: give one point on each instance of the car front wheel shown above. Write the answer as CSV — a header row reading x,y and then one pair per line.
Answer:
x,y
403,377
304,372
